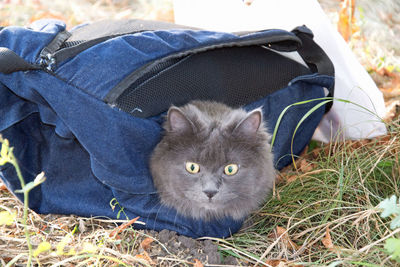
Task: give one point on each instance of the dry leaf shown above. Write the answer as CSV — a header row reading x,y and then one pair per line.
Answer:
x,y
304,166
385,139
198,263
291,178
327,241
275,263
145,256
145,244
3,186
285,238
122,227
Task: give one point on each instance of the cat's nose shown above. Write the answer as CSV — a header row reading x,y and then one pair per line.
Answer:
x,y
210,193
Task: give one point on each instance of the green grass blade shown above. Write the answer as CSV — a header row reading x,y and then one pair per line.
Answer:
x,y
302,120
278,122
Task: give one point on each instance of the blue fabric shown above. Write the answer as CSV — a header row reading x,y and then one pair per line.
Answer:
x,y
92,153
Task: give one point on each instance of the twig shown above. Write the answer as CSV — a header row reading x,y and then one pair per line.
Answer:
x,y
366,248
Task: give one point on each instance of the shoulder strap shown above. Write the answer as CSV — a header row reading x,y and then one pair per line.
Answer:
x,y
315,58
11,62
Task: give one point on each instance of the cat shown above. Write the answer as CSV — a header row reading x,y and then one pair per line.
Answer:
x,y
213,161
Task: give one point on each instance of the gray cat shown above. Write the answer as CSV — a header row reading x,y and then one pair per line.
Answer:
x,y
213,161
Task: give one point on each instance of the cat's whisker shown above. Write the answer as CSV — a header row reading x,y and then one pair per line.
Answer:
x,y
176,215
155,218
150,212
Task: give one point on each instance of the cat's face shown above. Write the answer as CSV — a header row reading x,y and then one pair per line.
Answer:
x,y
213,165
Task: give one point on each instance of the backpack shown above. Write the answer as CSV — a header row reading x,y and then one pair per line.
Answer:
x,y
86,106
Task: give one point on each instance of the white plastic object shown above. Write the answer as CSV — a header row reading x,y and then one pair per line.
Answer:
x,y
352,83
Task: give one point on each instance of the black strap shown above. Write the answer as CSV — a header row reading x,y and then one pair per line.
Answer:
x,y
315,58
11,62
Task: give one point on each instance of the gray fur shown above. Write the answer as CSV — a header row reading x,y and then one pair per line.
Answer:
x,y
213,135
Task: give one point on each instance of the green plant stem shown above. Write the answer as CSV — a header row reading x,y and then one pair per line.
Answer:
x,y
26,207
18,170
28,239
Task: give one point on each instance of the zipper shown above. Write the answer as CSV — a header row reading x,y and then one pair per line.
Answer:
x,y
47,61
47,58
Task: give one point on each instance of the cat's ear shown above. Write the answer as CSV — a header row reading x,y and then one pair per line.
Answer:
x,y
178,122
250,124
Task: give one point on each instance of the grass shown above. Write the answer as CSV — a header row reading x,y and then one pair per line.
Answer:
x,y
340,193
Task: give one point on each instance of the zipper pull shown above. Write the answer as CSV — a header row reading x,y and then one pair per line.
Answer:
x,y
47,61
47,56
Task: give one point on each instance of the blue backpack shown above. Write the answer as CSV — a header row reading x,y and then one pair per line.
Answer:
x,y
86,106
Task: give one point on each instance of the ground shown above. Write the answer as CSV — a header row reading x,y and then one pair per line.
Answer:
x,y
323,212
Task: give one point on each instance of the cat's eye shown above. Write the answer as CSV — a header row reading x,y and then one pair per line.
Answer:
x,y
231,169
192,167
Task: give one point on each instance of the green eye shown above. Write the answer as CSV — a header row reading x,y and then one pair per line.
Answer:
x,y
192,167
231,169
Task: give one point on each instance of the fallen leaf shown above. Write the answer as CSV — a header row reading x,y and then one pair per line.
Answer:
x,y
122,227
145,244
305,166
7,259
3,186
291,178
198,263
327,240
328,243
145,256
42,229
285,238
385,139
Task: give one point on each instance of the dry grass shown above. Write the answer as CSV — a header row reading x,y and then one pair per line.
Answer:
x,y
328,213
73,240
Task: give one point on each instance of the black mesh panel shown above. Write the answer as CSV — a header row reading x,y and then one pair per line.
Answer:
x,y
235,76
